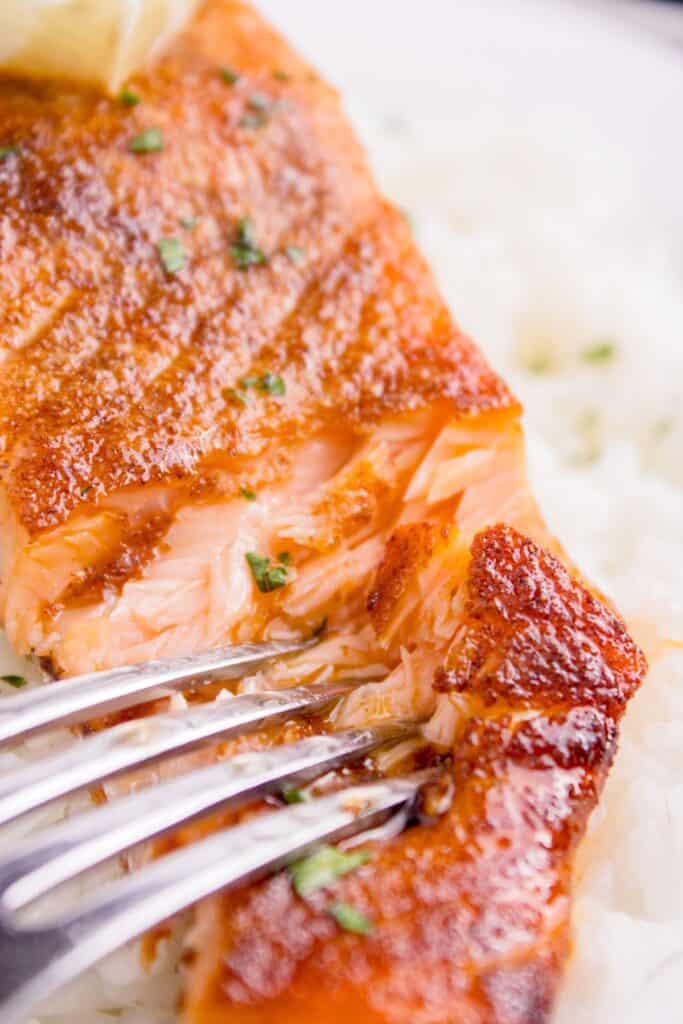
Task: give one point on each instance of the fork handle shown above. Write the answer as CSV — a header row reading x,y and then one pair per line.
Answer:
x,y
80,698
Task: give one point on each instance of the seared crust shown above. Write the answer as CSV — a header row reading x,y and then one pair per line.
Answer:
x,y
535,638
470,912
408,549
116,371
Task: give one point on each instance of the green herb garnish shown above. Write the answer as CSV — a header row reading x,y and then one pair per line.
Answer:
x,y
233,395
351,919
600,352
7,151
269,383
230,76
149,141
272,383
295,253
268,575
172,254
538,356
129,98
188,222
281,75
16,681
245,251
539,363
292,795
247,493
323,868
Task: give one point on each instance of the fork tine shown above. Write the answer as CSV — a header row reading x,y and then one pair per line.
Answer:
x,y
80,698
145,740
38,961
65,851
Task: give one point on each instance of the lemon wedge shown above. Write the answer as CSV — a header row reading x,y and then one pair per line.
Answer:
x,y
101,42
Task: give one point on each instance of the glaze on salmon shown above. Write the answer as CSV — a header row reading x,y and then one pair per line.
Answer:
x,y
233,407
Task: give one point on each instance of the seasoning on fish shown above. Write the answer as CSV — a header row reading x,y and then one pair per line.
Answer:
x,y
387,511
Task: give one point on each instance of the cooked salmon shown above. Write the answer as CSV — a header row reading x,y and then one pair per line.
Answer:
x,y
465,917
234,407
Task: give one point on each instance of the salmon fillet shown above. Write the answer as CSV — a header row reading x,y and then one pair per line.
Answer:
x,y
234,407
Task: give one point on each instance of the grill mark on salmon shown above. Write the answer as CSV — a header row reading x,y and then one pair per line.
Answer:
x,y
391,469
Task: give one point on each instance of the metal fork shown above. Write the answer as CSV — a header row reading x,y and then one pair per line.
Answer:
x,y
35,960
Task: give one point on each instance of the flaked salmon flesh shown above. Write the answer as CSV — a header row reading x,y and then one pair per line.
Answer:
x,y
283,428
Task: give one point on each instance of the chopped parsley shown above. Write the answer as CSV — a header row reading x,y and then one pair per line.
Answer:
x,y
172,254
351,919
259,107
600,352
269,383
295,253
272,383
16,681
188,222
539,363
268,575
7,151
233,395
129,98
281,75
247,493
538,356
245,252
323,868
230,76
149,141
292,795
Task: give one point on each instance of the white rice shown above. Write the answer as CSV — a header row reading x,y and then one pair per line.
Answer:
x,y
541,259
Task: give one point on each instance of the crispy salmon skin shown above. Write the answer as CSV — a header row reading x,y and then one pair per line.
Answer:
x,y
469,912
234,407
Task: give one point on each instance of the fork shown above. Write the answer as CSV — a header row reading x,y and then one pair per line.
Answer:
x,y
35,960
